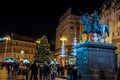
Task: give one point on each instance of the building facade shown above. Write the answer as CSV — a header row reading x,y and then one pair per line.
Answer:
x,y
17,47
110,14
67,30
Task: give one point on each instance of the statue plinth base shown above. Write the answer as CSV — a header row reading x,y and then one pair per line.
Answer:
x,y
95,61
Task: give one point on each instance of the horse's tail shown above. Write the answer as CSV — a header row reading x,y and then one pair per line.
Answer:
x,y
107,30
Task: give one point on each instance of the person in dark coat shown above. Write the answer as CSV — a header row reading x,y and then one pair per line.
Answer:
x,y
58,70
73,73
41,71
34,71
46,71
69,70
117,76
62,71
9,67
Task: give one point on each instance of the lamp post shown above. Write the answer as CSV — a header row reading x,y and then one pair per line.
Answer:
x,y
63,39
6,44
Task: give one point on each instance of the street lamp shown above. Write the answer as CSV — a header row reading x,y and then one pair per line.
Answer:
x,y
63,39
38,41
6,44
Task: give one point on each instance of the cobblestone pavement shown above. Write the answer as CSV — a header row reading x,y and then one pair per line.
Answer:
x,y
3,74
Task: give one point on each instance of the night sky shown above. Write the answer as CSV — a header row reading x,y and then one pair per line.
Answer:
x,y
40,18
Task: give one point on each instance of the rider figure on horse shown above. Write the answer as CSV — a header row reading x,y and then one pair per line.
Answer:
x,y
95,21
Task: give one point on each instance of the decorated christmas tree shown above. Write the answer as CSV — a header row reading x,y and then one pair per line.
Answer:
x,y
43,53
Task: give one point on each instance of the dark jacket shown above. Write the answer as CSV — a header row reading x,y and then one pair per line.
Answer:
x,y
34,68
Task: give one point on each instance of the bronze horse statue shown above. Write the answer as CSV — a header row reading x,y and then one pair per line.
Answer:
x,y
88,28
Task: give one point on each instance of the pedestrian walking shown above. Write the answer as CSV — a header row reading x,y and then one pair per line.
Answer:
x,y
58,70
41,68
69,70
21,72
9,67
73,73
34,71
117,76
46,72
53,71
62,71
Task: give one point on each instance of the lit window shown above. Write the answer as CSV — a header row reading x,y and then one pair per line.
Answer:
x,y
22,51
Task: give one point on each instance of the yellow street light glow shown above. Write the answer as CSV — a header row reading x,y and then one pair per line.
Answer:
x,y
38,41
7,38
63,39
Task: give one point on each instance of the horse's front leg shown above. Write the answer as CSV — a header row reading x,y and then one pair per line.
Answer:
x,y
87,36
99,39
104,38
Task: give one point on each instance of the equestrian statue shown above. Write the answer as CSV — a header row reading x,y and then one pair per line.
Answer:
x,y
93,26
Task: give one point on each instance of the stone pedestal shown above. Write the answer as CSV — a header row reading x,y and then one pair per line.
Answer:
x,y
95,61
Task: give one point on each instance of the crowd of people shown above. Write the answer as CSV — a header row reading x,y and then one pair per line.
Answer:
x,y
37,71
33,71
